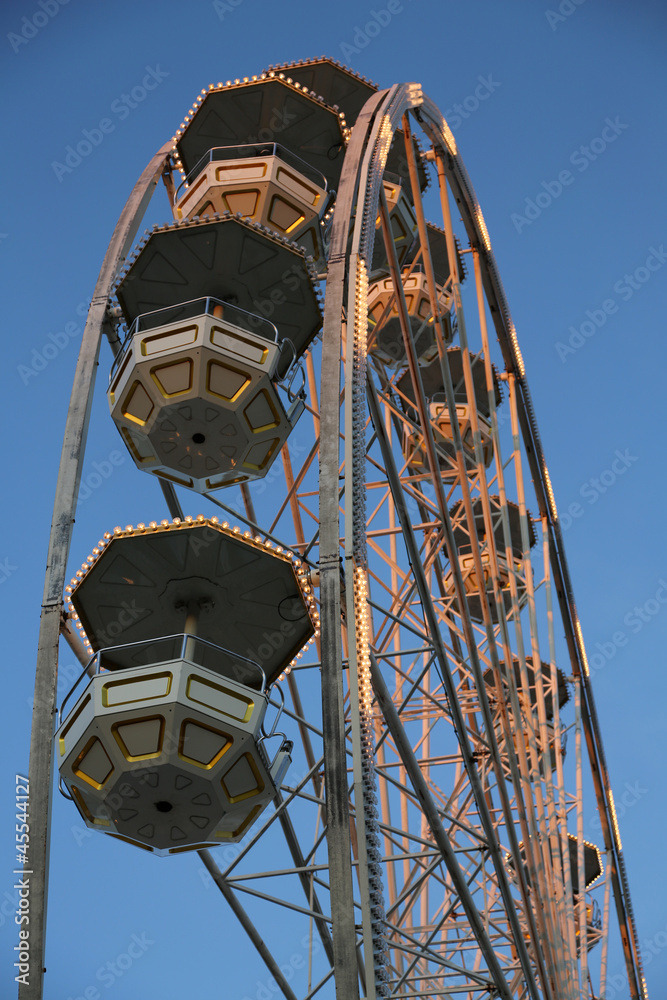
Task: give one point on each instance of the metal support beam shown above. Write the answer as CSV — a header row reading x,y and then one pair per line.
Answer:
x,y
335,764
439,833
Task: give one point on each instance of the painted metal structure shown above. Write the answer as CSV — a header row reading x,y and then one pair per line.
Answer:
x,y
440,846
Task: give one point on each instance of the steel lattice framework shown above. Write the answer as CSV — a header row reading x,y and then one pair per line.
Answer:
x,y
430,840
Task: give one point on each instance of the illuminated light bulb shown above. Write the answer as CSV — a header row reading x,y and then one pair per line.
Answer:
x,y
177,520
257,539
140,527
236,530
279,548
129,527
117,530
164,523
215,520
91,559
225,524
79,574
200,518
153,525
68,590
188,519
246,534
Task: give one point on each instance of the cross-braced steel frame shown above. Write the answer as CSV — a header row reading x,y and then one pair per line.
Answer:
x,y
422,844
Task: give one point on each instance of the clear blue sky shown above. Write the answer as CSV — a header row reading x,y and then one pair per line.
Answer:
x,y
576,87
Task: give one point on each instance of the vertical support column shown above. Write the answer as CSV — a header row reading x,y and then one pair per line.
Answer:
x,y
333,731
580,902
338,816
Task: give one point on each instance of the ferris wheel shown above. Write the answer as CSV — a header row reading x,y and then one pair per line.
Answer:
x,y
355,677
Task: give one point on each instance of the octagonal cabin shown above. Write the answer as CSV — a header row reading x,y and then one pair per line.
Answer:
x,y
167,745
440,415
492,547
206,389
385,337
196,400
265,183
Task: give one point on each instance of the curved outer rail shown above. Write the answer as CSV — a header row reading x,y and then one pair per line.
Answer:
x,y
450,163
67,488
341,307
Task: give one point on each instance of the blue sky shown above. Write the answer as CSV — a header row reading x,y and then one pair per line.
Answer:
x,y
566,150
